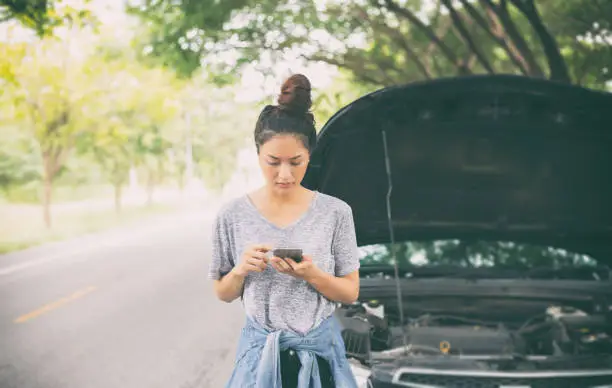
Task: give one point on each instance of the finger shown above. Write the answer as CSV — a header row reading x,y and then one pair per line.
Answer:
x,y
252,268
257,262
257,268
291,263
306,258
280,264
276,260
287,266
258,254
277,267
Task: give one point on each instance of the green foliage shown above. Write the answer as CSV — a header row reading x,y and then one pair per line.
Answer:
x,y
218,127
342,92
180,24
102,114
49,97
386,42
19,164
129,127
44,16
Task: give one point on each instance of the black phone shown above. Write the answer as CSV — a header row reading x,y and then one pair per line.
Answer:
x,y
293,254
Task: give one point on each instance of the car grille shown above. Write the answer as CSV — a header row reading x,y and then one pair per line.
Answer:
x,y
449,381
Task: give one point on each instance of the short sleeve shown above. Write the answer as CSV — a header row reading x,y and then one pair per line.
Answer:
x,y
344,249
222,260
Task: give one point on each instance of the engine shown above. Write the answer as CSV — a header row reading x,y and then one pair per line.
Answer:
x,y
563,330
435,335
558,331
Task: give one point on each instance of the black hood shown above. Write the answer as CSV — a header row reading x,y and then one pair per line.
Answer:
x,y
487,157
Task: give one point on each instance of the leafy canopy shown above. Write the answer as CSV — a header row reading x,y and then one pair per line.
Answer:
x,y
385,42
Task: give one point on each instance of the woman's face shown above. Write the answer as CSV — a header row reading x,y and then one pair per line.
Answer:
x,y
283,160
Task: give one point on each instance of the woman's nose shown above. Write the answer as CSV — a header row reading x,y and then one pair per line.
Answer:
x,y
284,171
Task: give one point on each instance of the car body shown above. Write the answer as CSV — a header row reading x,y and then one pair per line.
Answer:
x,y
493,195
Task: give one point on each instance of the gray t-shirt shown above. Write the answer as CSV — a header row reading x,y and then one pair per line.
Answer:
x,y
274,300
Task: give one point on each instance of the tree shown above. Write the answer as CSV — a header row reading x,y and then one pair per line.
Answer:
x,y
43,16
130,124
157,110
218,126
340,93
385,42
49,95
110,146
177,40
19,163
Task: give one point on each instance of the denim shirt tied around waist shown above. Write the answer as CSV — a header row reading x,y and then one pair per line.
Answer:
x,y
258,358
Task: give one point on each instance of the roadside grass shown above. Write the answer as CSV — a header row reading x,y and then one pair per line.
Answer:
x,y
22,226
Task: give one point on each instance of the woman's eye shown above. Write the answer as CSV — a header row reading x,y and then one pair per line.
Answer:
x,y
277,163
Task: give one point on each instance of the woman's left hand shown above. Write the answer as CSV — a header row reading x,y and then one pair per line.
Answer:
x,y
305,269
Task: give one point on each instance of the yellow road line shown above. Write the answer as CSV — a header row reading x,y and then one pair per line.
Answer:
x,y
55,305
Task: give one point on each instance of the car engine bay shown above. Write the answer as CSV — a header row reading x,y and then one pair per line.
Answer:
x,y
558,332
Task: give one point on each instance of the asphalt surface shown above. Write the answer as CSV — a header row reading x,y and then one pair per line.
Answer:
x,y
128,309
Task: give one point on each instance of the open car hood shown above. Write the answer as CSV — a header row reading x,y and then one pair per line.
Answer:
x,y
486,157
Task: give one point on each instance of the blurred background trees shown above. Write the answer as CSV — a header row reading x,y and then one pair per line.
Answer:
x,y
387,42
84,119
65,117
129,99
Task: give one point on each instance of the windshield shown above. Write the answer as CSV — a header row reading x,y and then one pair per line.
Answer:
x,y
493,258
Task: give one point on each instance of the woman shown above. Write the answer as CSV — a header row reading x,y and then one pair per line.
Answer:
x,y
290,338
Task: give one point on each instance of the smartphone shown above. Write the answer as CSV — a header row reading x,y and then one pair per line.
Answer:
x,y
293,254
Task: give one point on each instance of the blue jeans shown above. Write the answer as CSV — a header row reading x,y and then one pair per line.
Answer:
x,y
258,357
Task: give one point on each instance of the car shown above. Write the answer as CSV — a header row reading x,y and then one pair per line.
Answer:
x,y
483,211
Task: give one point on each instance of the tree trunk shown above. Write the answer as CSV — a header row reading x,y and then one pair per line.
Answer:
x,y
48,174
501,19
467,37
430,33
150,187
117,197
133,177
181,177
47,196
556,62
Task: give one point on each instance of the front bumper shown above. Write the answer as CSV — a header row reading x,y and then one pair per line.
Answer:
x,y
409,377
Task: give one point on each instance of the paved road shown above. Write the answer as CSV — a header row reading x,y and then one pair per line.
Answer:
x,y
135,312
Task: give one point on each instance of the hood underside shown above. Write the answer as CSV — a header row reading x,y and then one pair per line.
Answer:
x,y
487,157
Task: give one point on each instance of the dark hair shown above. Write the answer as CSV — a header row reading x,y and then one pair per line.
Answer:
x,y
291,116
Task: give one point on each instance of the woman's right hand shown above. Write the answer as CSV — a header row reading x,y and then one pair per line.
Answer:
x,y
253,260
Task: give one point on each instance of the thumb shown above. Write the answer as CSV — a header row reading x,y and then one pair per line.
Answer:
x,y
306,258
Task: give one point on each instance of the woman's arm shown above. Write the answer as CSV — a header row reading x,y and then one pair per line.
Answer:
x,y
343,289
229,287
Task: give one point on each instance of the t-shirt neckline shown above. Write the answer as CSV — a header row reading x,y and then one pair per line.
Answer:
x,y
291,225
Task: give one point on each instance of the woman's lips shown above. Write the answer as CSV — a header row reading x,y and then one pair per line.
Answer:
x,y
284,185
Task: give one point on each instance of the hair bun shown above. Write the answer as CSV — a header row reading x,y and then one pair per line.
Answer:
x,y
295,94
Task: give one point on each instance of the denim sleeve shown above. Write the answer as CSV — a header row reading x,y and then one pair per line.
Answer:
x,y
345,251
